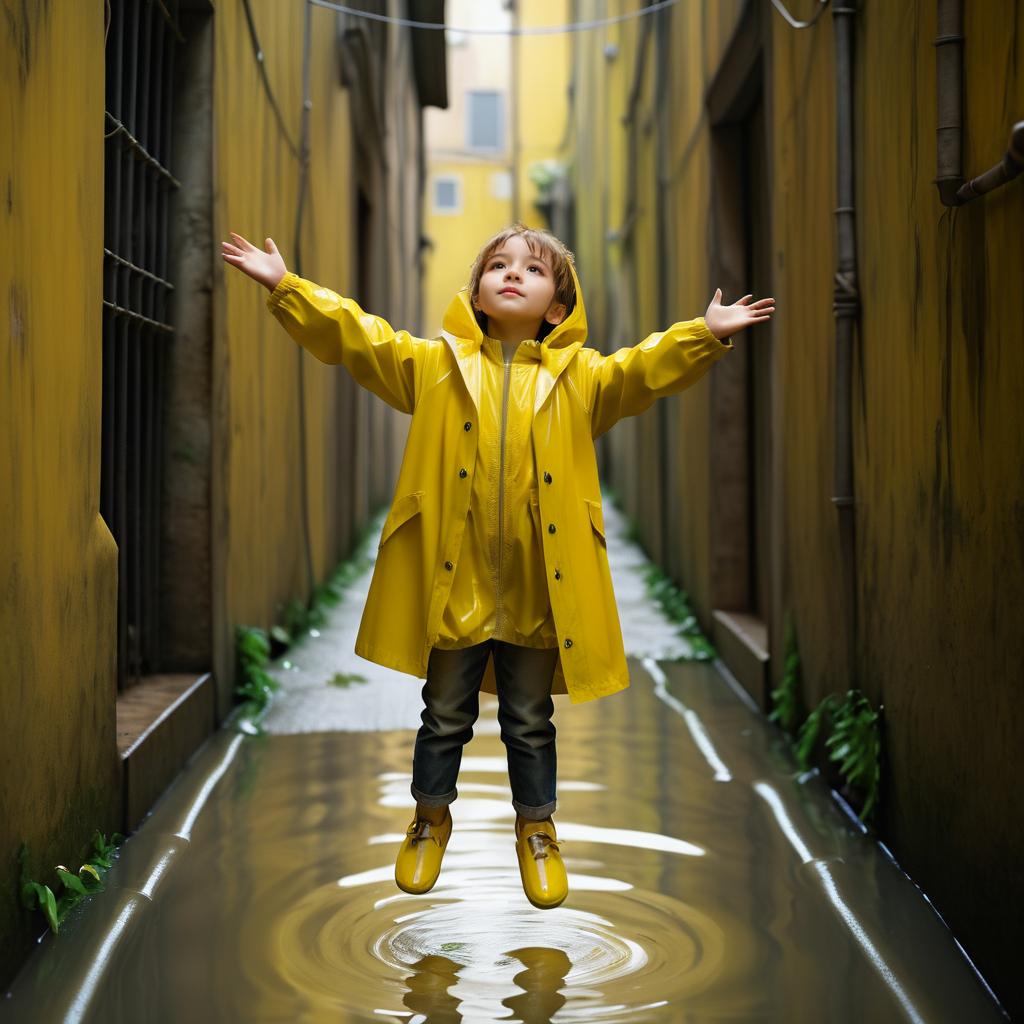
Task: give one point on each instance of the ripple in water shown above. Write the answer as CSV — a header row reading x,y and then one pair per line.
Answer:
x,y
474,950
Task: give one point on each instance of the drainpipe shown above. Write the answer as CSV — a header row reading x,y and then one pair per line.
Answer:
x,y
949,69
846,299
845,309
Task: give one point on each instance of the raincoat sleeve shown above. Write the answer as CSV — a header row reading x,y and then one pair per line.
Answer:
x,y
337,330
628,381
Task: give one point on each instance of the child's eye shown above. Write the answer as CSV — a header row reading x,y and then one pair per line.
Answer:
x,y
535,267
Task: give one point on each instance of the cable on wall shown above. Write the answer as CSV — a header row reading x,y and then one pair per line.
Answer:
x,y
261,64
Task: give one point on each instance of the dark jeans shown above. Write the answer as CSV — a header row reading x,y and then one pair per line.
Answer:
x,y
451,696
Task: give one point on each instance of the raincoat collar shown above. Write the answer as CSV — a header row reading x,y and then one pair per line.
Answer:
x,y
464,337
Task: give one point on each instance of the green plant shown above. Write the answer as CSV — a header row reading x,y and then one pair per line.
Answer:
x,y
252,651
786,696
676,605
76,886
809,731
254,646
855,744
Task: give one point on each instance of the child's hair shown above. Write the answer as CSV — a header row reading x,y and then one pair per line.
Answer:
x,y
540,242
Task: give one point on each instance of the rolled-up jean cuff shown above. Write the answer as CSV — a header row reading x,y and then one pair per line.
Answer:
x,y
535,813
434,801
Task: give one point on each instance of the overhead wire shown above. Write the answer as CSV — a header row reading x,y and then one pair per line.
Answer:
x,y
781,8
530,30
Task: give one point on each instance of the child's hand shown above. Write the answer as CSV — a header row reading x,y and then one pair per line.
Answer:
x,y
267,267
724,321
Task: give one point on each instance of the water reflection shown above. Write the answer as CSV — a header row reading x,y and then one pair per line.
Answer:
x,y
429,986
541,982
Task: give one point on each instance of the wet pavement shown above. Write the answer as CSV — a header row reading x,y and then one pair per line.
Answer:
x,y
709,880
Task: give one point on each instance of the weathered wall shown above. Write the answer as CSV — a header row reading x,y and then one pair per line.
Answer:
x,y
58,600
939,544
353,441
938,444
58,595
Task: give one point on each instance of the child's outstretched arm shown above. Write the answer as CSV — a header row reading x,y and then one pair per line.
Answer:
x,y
335,329
629,381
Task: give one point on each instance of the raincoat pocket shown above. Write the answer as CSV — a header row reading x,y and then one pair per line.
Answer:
x,y
596,519
402,511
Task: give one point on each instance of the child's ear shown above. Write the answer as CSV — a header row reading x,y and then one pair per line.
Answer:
x,y
556,314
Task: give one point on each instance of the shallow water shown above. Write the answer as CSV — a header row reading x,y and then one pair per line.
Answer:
x,y
708,883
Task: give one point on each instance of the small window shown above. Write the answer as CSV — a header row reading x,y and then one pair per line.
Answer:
x,y
485,127
501,185
448,194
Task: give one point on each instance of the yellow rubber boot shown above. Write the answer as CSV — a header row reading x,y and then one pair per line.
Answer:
x,y
540,864
419,858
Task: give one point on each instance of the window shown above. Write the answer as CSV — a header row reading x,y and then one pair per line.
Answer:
x,y
448,194
485,127
137,334
501,185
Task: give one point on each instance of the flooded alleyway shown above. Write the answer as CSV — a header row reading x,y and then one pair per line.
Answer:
x,y
708,880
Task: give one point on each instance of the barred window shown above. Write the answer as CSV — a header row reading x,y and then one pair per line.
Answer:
x,y
140,51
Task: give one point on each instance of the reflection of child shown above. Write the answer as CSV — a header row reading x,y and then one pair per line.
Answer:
x,y
492,571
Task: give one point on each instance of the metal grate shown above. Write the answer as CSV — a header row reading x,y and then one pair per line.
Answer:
x,y
140,48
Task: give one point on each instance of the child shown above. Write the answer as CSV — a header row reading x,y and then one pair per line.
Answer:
x,y
491,571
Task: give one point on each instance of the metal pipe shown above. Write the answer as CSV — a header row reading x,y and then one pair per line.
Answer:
x,y
949,101
845,308
949,73
846,300
1009,167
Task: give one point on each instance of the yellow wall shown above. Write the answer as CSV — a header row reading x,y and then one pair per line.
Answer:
x,y
538,109
257,364
474,62
59,763
938,439
58,627
457,237
541,95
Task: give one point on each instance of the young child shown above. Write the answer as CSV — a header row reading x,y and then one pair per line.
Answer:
x,y
491,572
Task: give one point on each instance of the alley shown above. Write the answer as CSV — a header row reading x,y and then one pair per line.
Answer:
x,y
709,881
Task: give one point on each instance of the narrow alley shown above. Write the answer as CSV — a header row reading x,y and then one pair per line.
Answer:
x,y
367,359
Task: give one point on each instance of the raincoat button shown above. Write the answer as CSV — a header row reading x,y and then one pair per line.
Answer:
x,y
467,425
463,474
568,642
551,527
547,478
558,575
448,566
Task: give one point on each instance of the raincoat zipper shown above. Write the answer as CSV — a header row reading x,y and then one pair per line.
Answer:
x,y
501,494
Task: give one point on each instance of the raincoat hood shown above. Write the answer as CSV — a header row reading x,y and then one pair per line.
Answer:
x,y
460,323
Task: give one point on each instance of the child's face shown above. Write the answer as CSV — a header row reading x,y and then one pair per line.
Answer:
x,y
518,287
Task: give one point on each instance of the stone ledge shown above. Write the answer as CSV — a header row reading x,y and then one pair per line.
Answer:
x,y
161,722
742,642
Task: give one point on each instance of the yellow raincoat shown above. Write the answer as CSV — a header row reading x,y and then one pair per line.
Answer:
x,y
577,394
